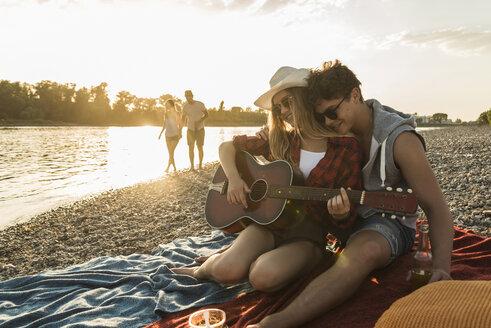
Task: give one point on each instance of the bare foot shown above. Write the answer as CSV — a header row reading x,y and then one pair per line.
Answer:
x,y
192,272
201,259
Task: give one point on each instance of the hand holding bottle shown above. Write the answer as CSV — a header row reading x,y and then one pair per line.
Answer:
x,y
421,266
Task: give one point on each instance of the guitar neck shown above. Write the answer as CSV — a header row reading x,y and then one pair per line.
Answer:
x,y
312,193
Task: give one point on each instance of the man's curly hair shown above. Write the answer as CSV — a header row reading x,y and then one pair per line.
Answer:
x,y
333,80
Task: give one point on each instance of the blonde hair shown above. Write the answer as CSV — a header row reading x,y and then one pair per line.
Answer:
x,y
305,127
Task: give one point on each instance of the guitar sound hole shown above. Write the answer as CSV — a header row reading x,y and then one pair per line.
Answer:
x,y
258,190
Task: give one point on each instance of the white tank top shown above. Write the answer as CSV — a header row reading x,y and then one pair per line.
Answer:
x,y
171,128
309,160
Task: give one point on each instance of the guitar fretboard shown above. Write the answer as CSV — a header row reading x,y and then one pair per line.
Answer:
x,y
311,193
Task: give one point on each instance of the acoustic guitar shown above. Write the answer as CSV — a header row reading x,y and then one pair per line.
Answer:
x,y
272,189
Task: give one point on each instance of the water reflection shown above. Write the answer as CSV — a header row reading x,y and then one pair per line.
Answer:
x,y
43,167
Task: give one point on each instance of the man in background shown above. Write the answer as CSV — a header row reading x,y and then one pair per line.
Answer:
x,y
195,112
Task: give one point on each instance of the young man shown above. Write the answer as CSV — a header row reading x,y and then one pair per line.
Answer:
x,y
393,156
195,113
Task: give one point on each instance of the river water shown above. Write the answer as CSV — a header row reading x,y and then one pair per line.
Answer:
x,y
45,167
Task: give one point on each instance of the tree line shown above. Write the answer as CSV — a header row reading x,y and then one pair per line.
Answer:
x,y
52,101
436,119
485,118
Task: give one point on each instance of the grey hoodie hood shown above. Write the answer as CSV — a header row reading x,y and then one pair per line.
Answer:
x,y
387,119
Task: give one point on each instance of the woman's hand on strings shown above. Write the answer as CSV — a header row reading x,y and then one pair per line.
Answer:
x,y
236,192
339,206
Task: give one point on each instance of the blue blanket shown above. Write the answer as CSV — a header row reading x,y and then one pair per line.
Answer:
x,y
116,291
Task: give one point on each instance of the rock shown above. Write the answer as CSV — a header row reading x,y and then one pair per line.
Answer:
x,y
6,266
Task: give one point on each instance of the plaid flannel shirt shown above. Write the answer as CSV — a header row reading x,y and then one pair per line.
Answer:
x,y
340,167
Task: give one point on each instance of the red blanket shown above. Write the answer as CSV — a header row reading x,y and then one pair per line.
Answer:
x,y
471,260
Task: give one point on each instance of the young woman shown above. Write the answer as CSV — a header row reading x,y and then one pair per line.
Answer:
x,y
393,156
273,257
172,128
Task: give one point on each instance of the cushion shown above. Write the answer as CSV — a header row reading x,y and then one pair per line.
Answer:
x,y
450,303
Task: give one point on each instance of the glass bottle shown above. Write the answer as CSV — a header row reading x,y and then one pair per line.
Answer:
x,y
421,266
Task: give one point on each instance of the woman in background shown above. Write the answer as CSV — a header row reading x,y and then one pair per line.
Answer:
x,y
172,127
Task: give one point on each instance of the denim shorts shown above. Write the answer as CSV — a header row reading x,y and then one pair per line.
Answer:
x,y
400,237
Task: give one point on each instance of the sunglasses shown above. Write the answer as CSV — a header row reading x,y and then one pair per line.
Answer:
x,y
285,102
330,113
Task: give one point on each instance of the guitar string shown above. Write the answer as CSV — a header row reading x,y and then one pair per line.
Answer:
x,y
314,193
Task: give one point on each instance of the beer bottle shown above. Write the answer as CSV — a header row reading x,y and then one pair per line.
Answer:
x,y
421,267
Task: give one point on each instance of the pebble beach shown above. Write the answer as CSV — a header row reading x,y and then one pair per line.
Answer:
x,y
138,218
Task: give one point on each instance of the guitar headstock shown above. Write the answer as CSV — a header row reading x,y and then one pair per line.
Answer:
x,y
396,202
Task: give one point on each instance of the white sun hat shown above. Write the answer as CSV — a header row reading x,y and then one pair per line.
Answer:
x,y
284,78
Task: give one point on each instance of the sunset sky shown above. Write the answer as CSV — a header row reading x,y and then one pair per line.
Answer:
x,y
423,56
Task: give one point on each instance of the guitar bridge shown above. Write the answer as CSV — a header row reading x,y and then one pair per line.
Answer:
x,y
221,187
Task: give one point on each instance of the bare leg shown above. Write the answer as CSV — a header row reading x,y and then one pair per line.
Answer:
x,y
233,264
172,147
169,161
191,156
277,268
200,155
367,251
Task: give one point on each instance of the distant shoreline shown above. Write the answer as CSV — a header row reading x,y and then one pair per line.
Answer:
x,y
46,123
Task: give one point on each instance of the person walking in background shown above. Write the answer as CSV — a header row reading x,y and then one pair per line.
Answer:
x,y
172,127
195,112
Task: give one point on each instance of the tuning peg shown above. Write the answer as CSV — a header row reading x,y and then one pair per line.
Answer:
x,y
389,188
392,216
409,191
403,217
399,189
383,215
